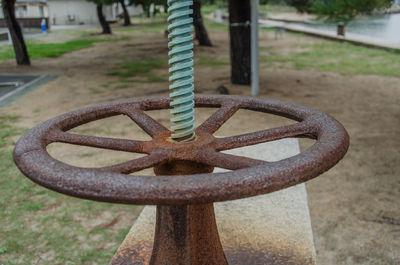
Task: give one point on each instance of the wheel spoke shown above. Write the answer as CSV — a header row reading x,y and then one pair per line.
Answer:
x,y
99,142
216,120
147,123
137,164
302,129
228,161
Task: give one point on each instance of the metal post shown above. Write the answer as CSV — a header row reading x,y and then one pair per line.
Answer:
x,y
254,48
186,234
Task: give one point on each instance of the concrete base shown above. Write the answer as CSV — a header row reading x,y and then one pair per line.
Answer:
x,y
267,229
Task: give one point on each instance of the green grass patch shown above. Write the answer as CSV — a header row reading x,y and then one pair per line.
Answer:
x,y
52,50
344,58
122,86
210,9
212,61
278,8
77,32
270,8
38,226
94,90
6,130
212,25
140,68
150,28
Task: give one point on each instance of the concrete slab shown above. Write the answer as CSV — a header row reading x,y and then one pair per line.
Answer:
x,y
13,86
267,229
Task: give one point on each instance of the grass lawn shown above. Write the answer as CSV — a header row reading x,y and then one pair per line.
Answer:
x,y
270,8
39,50
344,58
140,67
34,218
212,25
156,27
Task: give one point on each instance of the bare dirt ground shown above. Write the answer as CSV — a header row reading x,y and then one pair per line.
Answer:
x,y
355,207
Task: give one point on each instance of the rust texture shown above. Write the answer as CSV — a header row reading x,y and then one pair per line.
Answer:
x,y
184,187
187,234
251,177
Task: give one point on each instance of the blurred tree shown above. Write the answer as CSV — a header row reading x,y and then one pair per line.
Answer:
x,y
344,11
301,5
340,11
103,22
239,30
127,18
21,53
200,30
146,4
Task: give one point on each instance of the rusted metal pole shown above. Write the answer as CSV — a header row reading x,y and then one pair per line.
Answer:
x,y
186,234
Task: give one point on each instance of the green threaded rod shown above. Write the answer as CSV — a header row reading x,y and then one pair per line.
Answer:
x,y
181,69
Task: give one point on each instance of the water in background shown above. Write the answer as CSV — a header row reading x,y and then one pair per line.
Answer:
x,y
386,27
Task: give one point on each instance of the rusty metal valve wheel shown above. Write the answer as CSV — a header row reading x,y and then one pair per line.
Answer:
x,y
183,188
250,176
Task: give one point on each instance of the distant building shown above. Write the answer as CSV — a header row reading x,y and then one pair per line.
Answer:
x,y
29,13
77,12
29,9
66,12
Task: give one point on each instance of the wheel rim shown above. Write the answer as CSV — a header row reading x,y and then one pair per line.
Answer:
x,y
249,176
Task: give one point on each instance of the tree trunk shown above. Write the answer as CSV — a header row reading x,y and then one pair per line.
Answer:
x,y
239,29
341,29
102,20
127,19
200,30
21,53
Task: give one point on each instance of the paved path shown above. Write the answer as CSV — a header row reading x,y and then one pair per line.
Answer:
x,y
350,37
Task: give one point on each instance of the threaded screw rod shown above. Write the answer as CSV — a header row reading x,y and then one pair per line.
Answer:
x,y
181,69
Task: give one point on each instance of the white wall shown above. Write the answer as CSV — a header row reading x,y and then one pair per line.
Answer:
x,y
110,12
28,11
35,11
72,12
75,12
135,10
